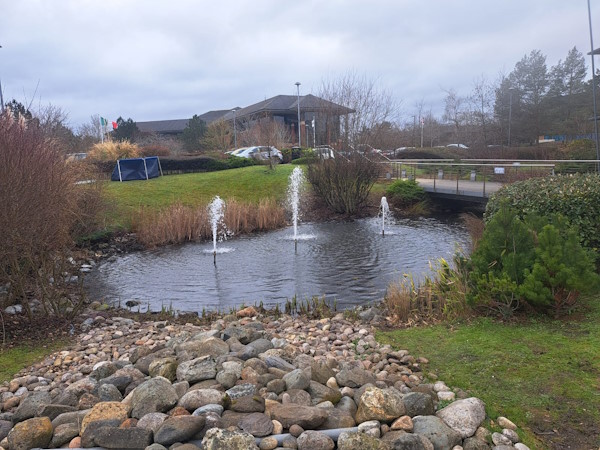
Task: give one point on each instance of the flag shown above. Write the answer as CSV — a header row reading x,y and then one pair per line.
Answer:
x,y
115,125
103,121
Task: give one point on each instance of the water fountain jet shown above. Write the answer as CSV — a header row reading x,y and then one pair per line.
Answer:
x,y
295,185
385,210
216,210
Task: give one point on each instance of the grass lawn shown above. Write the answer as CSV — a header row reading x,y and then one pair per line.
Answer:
x,y
248,184
542,374
12,360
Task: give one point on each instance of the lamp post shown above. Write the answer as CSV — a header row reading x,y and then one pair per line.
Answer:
x,y
297,83
1,96
594,89
510,93
234,131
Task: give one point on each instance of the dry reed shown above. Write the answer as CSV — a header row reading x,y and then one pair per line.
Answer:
x,y
179,223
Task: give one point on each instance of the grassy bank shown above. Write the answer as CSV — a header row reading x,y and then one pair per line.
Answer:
x,y
542,374
247,185
12,360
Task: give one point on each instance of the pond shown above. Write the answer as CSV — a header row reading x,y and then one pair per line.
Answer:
x,y
349,262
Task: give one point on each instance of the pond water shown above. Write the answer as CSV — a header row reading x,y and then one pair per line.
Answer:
x,y
350,262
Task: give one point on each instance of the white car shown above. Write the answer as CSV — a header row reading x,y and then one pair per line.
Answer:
x,y
457,145
262,153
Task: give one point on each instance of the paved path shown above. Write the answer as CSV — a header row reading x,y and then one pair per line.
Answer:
x,y
466,189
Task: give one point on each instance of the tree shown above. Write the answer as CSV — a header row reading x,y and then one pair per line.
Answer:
x,y
193,133
454,113
370,104
481,100
529,80
218,136
18,109
126,130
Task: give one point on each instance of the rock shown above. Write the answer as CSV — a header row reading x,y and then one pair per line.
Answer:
x,y
354,376
211,346
313,440
53,411
446,396
464,416
261,345
123,438
296,379
163,367
503,422
217,439
337,418
520,446
296,430
360,441
511,434
154,395
500,439
308,417
278,363
105,411
5,427
371,427
438,433
474,443
211,408
248,404
201,397
403,423
30,405
102,370
241,390
407,441
152,421
257,424
63,434
178,429
227,378
109,393
268,443
75,417
297,396
418,404
199,369
31,433
384,405
321,393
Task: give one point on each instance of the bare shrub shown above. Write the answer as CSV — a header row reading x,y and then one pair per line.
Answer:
x,y
39,200
344,183
475,226
154,150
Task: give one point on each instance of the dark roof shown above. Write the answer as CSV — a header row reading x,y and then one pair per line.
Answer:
x,y
211,116
288,104
163,126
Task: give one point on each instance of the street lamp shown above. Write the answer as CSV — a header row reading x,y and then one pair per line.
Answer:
x,y
594,89
234,131
510,93
297,83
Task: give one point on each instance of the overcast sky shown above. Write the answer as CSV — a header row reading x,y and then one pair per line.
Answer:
x,y
153,60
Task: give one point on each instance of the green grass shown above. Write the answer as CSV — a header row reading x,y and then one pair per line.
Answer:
x,y
542,374
248,184
12,360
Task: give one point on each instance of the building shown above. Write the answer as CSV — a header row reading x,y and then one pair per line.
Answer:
x,y
319,118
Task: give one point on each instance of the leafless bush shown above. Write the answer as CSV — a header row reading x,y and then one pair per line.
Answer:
x,y
475,226
39,200
344,183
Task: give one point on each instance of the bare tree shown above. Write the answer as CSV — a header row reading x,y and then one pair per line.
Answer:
x,y
482,101
370,106
91,130
454,112
218,136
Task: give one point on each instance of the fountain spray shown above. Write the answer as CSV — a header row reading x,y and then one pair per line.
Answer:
x,y
216,210
296,179
385,209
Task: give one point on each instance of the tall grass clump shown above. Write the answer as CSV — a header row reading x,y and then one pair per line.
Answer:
x,y
41,206
114,150
178,223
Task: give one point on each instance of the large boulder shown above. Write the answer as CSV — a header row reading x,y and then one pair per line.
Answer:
x,y
384,405
360,441
418,404
218,439
407,441
30,405
31,433
196,348
154,395
193,400
308,417
198,369
438,433
179,429
123,438
354,376
105,411
314,440
257,424
464,416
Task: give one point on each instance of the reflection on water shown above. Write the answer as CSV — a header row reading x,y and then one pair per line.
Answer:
x,y
349,261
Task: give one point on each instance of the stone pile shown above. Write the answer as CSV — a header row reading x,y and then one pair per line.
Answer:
x,y
243,383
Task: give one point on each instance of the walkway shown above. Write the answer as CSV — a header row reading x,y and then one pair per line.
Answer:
x,y
464,190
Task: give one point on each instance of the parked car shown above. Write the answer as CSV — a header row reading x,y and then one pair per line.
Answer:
x,y
324,152
457,145
262,153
